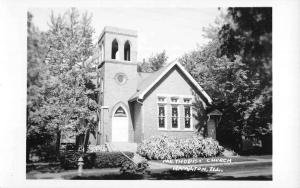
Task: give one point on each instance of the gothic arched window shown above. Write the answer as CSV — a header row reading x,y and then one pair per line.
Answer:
x,y
114,49
127,51
120,112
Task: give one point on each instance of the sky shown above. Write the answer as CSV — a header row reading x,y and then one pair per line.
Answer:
x,y
176,30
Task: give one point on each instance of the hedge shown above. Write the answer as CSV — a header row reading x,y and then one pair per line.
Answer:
x,y
69,160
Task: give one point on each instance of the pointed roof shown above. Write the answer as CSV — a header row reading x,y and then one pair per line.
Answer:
x,y
145,86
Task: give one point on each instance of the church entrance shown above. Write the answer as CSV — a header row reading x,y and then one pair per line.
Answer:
x,y
120,125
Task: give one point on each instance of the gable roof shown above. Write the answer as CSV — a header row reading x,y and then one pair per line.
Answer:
x,y
145,86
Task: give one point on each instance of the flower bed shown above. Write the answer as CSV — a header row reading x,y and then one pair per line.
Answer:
x,y
165,147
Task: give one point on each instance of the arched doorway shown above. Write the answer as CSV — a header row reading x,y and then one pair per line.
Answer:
x,y
120,125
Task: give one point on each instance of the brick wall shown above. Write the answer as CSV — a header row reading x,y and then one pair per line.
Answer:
x,y
115,93
174,84
138,122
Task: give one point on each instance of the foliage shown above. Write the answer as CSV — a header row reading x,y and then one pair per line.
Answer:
x,y
38,136
160,147
154,62
128,167
166,147
69,160
229,153
61,97
234,68
68,105
249,35
199,147
97,148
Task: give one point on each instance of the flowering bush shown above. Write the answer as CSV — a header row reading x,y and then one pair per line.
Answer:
x,y
211,148
191,147
167,147
160,148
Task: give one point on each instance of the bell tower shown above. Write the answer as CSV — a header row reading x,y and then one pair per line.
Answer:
x,y
118,44
118,82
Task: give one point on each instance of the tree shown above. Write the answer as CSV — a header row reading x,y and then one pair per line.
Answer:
x,y
66,94
249,35
223,80
36,134
239,83
69,105
154,62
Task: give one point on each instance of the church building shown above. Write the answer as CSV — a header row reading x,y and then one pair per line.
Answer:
x,y
137,105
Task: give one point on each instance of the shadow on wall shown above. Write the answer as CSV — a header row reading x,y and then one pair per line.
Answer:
x,y
201,117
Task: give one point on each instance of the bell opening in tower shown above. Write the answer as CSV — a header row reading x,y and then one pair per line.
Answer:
x,y
114,49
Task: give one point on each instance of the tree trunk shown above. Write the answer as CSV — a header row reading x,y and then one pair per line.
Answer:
x,y
86,140
27,151
58,135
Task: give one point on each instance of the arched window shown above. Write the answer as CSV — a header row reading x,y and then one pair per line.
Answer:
x,y
127,51
114,49
120,112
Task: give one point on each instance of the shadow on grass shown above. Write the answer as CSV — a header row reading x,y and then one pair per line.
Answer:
x,y
172,175
254,178
166,175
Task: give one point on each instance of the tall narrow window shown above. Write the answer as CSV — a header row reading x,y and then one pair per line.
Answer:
x,y
175,117
102,53
161,117
101,86
187,117
127,51
114,49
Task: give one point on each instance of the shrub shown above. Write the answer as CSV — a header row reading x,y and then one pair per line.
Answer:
x,y
160,148
229,153
69,160
191,147
128,167
211,148
111,159
166,147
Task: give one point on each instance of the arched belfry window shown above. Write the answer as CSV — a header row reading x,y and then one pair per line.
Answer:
x,y
114,49
127,51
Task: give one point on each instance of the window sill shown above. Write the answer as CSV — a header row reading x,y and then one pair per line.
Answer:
x,y
176,130
162,129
